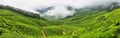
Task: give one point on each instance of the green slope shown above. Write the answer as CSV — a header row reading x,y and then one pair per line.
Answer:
x,y
85,24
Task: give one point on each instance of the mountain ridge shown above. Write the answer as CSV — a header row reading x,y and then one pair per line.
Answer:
x,y
85,24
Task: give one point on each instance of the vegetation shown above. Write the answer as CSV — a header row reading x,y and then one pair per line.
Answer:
x,y
85,24
26,13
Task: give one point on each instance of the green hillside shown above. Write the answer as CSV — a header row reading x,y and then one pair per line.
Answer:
x,y
85,24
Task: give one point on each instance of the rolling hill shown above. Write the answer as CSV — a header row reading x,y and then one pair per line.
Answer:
x,y
85,24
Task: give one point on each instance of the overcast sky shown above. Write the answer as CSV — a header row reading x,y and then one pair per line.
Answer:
x,y
60,5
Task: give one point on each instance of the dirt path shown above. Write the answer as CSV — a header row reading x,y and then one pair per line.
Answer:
x,y
64,31
43,34
73,33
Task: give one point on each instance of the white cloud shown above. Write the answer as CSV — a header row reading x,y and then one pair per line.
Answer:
x,y
60,10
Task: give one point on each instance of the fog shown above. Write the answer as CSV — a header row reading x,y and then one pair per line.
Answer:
x,y
59,10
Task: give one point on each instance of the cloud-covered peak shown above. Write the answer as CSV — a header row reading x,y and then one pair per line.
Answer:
x,y
60,8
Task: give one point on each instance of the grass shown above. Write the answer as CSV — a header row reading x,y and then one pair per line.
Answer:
x,y
85,24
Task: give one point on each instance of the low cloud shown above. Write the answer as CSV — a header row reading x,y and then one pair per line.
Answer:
x,y
59,10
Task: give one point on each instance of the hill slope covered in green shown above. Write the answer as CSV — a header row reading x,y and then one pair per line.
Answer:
x,y
85,24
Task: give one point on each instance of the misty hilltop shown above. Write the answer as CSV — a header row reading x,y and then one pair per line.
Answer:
x,y
59,9
60,19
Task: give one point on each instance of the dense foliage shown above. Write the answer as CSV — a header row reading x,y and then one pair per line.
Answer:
x,y
26,13
85,24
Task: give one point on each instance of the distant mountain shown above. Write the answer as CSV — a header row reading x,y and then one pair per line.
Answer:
x,y
94,22
45,9
109,7
26,13
86,23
